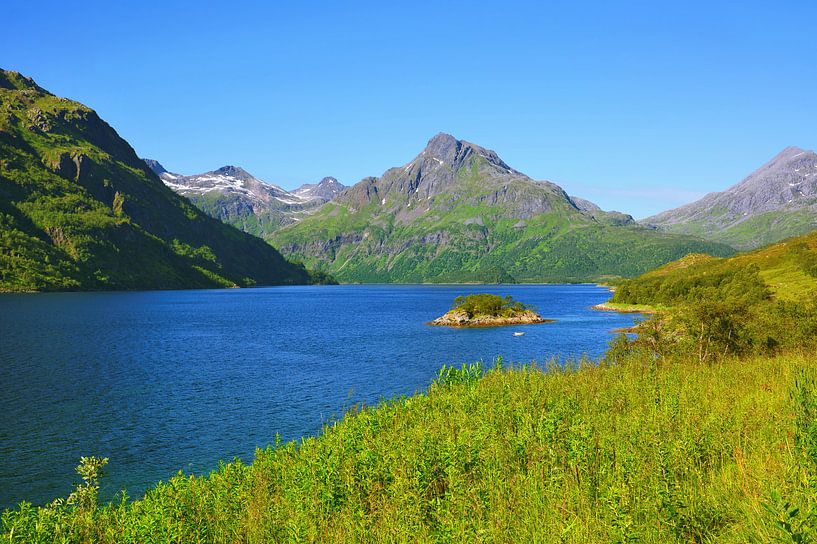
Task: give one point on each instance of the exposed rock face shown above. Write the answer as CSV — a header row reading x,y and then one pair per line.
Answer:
x,y
594,211
228,180
154,165
325,190
460,318
584,205
233,195
443,168
776,201
461,173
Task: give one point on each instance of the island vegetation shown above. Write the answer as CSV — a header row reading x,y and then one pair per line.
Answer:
x,y
701,429
487,310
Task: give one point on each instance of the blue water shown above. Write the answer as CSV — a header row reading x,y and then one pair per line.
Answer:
x,y
177,380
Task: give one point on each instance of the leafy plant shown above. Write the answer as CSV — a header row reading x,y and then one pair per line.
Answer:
x,y
489,305
90,469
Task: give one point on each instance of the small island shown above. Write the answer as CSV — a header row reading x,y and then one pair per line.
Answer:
x,y
485,310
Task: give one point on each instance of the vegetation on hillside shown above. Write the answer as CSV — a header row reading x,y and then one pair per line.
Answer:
x,y
784,271
761,302
79,210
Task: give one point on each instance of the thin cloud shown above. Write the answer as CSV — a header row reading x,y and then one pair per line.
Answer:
x,y
638,200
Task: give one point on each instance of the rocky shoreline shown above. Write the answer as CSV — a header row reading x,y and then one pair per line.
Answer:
x,y
460,318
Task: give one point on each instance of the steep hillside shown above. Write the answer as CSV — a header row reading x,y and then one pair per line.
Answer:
x,y
457,212
777,201
79,210
234,196
786,271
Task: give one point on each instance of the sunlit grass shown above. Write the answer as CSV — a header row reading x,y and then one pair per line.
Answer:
x,y
674,452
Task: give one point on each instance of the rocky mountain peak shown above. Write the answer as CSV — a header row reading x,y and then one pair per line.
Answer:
x,y
783,191
448,150
785,158
443,146
10,79
791,151
233,171
325,190
792,167
156,166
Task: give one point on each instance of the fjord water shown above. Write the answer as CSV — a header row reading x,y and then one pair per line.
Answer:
x,y
164,381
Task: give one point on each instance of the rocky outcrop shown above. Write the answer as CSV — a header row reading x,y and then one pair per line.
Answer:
x,y
156,166
460,318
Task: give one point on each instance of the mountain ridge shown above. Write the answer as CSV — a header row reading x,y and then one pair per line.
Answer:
x,y
776,201
458,212
238,198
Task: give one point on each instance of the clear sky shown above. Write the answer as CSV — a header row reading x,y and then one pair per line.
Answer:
x,y
638,106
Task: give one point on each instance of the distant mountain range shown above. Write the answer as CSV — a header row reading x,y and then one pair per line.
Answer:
x,y
234,196
457,212
776,201
79,210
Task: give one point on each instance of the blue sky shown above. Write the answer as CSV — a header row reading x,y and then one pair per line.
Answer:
x,y
639,106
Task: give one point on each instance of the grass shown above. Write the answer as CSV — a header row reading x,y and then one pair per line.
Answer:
x,y
628,308
632,452
784,271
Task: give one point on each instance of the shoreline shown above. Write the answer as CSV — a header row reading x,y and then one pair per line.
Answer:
x,y
432,284
485,325
461,320
624,308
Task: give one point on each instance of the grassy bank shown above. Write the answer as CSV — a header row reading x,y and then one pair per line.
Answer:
x,y
615,453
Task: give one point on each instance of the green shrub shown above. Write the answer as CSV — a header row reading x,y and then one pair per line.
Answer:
x,y
489,305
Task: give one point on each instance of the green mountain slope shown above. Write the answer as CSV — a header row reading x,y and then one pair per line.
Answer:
x,y
79,210
785,271
458,213
776,201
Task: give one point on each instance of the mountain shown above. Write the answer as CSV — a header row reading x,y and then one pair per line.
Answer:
x,y
457,212
234,196
79,210
157,167
325,190
776,201
785,271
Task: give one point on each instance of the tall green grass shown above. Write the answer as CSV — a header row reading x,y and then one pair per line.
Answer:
x,y
637,451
